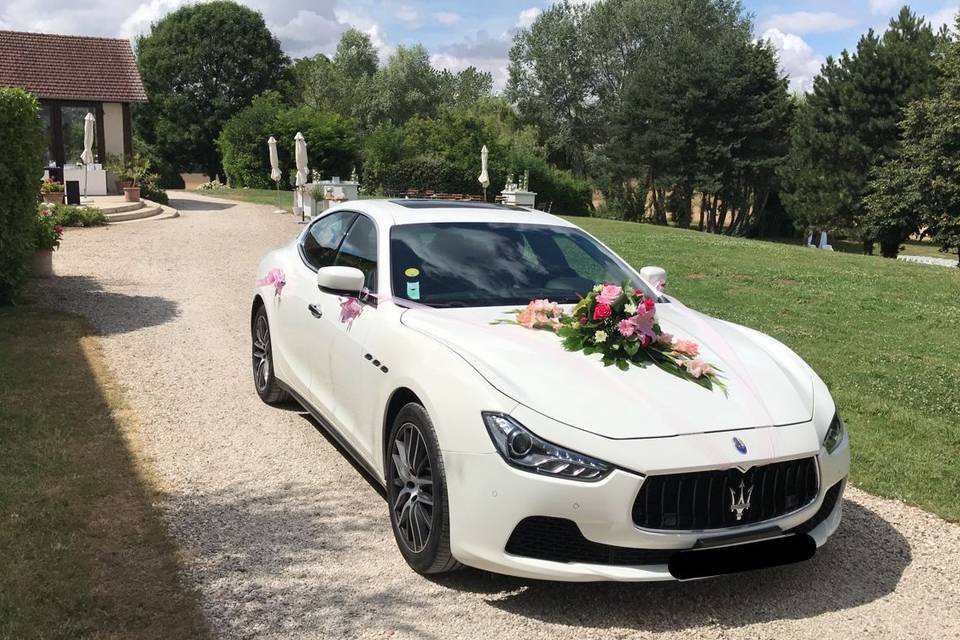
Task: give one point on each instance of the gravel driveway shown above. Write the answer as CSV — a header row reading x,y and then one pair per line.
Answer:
x,y
284,538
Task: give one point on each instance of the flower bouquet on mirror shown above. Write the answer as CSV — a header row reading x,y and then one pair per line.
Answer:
x,y
619,323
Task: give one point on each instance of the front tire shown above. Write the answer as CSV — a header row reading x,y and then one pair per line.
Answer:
x,y
417,493
264,379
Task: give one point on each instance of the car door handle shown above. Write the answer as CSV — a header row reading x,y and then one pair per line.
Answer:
x,y
315,310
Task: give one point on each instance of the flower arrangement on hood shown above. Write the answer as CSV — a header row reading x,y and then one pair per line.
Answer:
x,y
619,323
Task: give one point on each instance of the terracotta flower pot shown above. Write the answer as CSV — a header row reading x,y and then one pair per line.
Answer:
x,y
54,197
131,194
42,263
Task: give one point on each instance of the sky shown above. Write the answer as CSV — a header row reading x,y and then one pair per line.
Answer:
x,y
478,32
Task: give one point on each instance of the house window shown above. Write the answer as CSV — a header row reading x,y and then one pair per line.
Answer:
x,y
72,118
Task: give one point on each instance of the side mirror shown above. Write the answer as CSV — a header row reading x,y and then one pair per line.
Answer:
x,y
342,280
656,276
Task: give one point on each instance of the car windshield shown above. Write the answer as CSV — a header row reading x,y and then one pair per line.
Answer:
x,y
471,264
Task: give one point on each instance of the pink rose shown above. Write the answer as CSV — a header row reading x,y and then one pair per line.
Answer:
x,y
602,311
609,294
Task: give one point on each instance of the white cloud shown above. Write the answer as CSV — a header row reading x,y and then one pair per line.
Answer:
x,y
483,51
803,22
447,17
308,32
528,17
797,59
406,14
946,16
884,6
369,27
145,15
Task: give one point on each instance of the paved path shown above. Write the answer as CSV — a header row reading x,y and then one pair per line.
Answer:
x,y
285,539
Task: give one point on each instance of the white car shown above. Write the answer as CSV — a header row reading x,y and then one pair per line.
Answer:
x,y
500,450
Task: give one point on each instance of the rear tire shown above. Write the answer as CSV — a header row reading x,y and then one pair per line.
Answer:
x,y
417,493
264,379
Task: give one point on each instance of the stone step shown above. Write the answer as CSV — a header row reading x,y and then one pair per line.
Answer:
x,y
150,211
121,208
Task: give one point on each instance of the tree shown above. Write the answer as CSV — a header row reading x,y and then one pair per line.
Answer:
x,y
847,127
332,142
407,85
200,65
920,189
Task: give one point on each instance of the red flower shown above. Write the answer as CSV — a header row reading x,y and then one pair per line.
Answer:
x,y
58,229
602,311
638,292
649,304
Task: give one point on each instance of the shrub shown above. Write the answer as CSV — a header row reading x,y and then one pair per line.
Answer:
x,y
150,191
213,185
21,138
70,216
50,186
46,231
332,146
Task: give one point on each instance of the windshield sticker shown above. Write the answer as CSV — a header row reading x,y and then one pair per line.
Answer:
x,y
411,272
413,290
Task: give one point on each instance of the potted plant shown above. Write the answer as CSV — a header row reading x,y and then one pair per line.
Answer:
x,y
51,191
132,172
47,238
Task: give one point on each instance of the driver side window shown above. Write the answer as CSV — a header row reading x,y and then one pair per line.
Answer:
x,y
319,246
359,250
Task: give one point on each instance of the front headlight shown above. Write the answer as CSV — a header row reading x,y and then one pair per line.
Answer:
x,y
524,450
834,434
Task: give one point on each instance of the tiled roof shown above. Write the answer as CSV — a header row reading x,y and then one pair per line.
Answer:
x,y
70,67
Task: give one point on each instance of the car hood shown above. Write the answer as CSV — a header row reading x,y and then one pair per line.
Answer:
x,y
766,383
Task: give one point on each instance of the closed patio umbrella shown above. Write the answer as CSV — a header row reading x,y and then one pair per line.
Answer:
x,y
87,156
484,179
275,174
300,154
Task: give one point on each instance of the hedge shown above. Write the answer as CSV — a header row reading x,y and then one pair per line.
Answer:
x,y
21,167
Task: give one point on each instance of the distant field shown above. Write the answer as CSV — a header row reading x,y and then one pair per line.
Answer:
x,y
884,335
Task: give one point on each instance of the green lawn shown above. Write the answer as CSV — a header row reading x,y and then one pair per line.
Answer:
x,y
884,335
255,196
83,550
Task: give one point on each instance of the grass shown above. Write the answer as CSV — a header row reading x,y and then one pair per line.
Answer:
x,y
83,551
884,335
254,196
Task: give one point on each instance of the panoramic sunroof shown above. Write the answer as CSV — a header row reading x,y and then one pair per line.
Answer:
x,y
421,203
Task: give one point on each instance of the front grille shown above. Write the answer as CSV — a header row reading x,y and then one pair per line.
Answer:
x,y
703,499
560,540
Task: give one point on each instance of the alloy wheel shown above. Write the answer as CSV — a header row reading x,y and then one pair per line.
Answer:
x,y
413,486
261,353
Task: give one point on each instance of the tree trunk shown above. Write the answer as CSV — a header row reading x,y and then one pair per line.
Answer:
x,y
867,247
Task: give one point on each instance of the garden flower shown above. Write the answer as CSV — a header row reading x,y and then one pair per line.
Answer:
x,y
609,293
600,336
602,311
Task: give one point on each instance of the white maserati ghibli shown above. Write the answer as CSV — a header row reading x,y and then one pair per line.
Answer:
x,y
526,452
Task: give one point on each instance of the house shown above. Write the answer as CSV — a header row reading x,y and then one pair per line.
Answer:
x,y
72,76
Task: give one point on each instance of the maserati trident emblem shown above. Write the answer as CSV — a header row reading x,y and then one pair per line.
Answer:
x,y
739,444
740,504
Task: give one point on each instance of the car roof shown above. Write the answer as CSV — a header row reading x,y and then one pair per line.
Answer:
x,y
413,211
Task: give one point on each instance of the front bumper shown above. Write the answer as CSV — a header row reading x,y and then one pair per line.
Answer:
x,y
488,499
